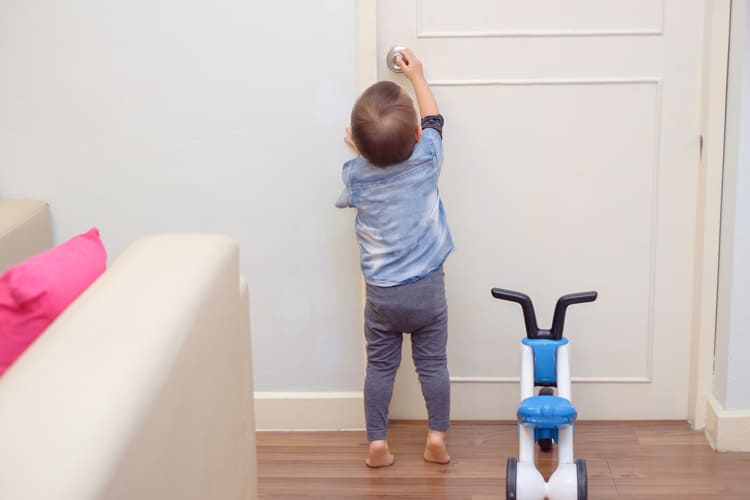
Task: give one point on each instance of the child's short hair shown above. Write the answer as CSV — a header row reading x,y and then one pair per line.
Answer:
x,y
384,124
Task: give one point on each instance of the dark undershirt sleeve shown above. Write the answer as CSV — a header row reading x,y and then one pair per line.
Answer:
x,y
435,122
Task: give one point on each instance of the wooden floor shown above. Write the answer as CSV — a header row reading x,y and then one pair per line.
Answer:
x,y
626,460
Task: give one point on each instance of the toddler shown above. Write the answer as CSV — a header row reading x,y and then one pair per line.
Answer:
x,y
404,237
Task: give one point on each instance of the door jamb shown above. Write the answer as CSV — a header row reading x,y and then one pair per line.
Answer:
x,y
708,215
367,43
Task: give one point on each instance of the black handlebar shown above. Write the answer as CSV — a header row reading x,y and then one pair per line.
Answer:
x,y
529,317
558,321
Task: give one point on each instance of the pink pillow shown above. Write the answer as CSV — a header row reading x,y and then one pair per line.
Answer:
x,y
34,292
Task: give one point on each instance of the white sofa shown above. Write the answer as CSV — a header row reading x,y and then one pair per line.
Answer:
x,y
24,230
142,389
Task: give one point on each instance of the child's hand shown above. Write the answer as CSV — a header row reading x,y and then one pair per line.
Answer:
x,y
348,139
412,68
410,65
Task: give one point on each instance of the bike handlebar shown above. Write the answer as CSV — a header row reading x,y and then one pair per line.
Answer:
x,y
558,321
532,330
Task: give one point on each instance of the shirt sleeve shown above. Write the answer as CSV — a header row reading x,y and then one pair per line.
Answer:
x,y
434,122
345,198
432,134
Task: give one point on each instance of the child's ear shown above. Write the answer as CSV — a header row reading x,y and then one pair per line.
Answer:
x,y
419,133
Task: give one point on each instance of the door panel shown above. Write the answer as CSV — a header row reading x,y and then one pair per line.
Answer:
x,y
439,18
571,153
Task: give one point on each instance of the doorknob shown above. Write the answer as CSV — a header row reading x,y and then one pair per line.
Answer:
x,y
390,59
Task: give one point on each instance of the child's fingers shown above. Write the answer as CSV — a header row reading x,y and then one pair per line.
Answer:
x,y
401,61
409,56
350,142
348,138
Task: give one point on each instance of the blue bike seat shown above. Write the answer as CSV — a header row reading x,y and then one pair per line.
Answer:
x,y
546,412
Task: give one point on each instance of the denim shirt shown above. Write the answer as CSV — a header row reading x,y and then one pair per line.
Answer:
x,y
401,224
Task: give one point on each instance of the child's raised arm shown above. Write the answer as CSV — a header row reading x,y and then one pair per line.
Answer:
x,y
412,68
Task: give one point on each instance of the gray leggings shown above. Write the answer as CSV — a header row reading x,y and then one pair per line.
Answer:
x,y
418,308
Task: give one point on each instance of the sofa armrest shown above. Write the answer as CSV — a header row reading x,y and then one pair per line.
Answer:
x,y
142,388
25,230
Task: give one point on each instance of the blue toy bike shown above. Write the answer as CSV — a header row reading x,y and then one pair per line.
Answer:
x,y
547,417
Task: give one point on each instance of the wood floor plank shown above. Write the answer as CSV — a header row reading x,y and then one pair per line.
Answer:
x,y
625,460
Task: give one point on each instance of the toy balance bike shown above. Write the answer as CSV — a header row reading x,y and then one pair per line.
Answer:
x,y
546,417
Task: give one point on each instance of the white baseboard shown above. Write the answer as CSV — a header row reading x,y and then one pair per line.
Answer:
x,y
309,411
727,430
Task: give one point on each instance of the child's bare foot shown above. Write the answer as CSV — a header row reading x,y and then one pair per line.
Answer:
x,y
436,451
379,455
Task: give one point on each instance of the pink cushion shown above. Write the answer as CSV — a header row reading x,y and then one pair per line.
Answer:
x,y
34,292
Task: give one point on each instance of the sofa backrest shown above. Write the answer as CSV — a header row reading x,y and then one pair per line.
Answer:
x,y
25,230
140,389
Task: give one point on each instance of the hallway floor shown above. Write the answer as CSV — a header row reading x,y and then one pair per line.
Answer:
x,y
626,460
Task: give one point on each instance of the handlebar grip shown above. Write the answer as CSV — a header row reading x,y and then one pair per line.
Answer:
x,y
501,293
529,316
558,319
578,298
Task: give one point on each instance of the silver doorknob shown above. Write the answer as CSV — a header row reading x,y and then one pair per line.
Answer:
x,y
390,59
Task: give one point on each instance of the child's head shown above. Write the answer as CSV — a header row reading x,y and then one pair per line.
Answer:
x,y
384,124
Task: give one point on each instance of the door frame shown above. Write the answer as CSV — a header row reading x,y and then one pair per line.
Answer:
x,y
708,215
706,284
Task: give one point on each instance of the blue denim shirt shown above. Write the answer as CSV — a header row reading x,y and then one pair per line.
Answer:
x,y
401,224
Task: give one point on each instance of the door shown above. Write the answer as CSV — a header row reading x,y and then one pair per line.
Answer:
x,y
572,148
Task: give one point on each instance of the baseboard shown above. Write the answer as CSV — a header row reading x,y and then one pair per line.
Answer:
x,y
309,411
727,430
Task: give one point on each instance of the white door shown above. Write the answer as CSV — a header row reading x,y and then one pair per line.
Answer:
x,y
572,148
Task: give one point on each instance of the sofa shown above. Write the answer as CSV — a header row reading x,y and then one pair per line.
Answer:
x,y
142,388
25,230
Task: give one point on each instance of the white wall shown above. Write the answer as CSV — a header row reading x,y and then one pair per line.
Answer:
x,y
732,378
162,116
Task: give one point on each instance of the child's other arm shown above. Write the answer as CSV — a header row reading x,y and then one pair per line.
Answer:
x,y
412,68
348,139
